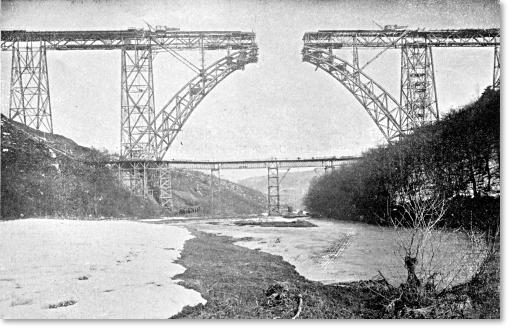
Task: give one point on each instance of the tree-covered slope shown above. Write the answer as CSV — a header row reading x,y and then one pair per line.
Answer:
x,y
46,175
456,158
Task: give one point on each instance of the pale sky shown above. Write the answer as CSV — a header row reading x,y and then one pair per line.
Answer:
x,y
278,107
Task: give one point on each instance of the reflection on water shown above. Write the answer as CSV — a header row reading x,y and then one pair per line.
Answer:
x,y
339,251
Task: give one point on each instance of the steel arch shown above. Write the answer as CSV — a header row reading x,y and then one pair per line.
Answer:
x,y
170,119
391,119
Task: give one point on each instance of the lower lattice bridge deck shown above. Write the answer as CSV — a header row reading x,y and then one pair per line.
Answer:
x,y
324,162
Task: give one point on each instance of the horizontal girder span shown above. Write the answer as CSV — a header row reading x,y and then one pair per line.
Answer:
x,y
398,38
130,39
247,164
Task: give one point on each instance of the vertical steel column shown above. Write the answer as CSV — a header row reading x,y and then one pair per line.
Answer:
x,y
496,76
137,138
133,178
29,101
273,190
166,196
418,86
153,180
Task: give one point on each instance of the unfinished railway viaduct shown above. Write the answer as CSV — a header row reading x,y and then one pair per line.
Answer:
x,y
147,133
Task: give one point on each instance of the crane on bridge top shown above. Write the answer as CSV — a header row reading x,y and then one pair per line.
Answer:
x,y
393,27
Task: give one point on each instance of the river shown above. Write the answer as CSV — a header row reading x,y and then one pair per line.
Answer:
x,y
342,251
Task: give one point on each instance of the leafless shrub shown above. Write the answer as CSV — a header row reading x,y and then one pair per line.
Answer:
x,y
434,258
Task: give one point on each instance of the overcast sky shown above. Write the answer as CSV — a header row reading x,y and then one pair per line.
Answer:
x,y
278,107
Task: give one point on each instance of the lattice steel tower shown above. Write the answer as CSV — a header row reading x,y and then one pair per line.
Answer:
x,y
137,138
418,87
29,101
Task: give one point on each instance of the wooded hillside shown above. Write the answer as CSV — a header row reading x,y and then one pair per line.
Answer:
x,y
456,158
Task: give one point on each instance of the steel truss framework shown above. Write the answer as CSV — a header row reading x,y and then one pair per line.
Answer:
x,y
170,119
166,195
385,110
138,118
154,178
137,104
130,39
418,98
29,101
148,179
273,190
418,87
146,134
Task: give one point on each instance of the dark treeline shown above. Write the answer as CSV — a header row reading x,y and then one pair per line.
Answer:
x,y
456,158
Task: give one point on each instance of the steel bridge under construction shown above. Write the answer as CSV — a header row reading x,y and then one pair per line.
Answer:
x,y
417,103
146,177
147,132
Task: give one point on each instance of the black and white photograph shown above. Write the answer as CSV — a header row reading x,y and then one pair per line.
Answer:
x,y
250,159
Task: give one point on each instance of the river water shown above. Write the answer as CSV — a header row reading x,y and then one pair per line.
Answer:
x,y
342,251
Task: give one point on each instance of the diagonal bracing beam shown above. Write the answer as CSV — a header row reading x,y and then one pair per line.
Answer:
x,y
391,119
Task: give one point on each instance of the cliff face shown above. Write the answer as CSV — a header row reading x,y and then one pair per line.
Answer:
x,y
44,175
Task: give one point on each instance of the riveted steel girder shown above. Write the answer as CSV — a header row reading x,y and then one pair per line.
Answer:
x,y
391,119
336,39
29,101
130,39
244,164
418,86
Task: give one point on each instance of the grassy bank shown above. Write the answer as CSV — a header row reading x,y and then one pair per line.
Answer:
x,y
242,283
236,282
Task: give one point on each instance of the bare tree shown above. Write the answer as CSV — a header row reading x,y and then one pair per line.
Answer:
x,y
435,258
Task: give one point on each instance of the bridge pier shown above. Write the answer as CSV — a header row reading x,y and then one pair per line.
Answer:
x,y
273,190
166,194
418,85
137,137
29,101
135,178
